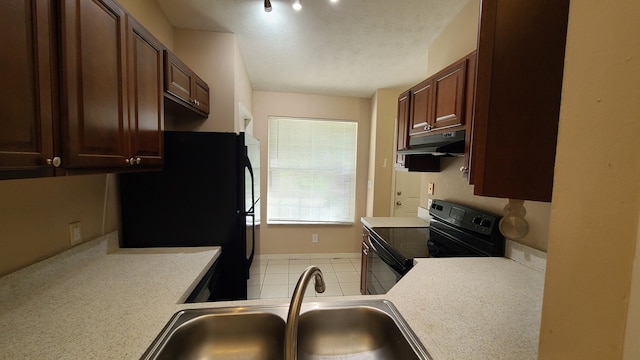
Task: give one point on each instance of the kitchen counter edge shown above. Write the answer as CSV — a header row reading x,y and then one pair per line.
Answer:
x,y
492,313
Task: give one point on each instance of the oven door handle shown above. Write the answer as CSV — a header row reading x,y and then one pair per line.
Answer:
x,y
387,257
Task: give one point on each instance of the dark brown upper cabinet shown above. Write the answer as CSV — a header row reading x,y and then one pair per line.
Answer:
x,y
438,102
146,99
112,103
83,90
421,109
187,93
94,84
520,61
448,96
434,106
28,94
510,103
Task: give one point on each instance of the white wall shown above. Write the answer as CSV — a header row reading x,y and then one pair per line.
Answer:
x,y
381,152
211,56
242,91
596,195
296,239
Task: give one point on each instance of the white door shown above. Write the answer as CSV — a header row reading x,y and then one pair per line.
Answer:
x,y
406,195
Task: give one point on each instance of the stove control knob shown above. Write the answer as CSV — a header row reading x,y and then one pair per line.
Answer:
x,y
485,223
476,220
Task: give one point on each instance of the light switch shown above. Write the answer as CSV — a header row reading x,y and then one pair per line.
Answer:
x,y
75,233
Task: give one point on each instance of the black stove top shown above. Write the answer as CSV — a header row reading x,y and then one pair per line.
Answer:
x,y
455,231
408,243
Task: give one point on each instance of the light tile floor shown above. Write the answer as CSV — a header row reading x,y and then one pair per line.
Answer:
x,y
277,277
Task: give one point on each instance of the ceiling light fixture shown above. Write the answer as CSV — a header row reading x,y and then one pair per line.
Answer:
x,y
297,4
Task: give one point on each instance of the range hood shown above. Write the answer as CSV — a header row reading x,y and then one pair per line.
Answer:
x,y
443,144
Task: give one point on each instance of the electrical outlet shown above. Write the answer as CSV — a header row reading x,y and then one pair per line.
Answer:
x,y
75,233
314,238
430,189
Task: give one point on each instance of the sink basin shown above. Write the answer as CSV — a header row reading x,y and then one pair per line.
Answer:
x,y
332,330
220,334
351,333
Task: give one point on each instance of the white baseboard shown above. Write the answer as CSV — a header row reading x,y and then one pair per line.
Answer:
x,y
309,256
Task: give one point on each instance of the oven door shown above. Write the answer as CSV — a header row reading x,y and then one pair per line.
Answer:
x,y
383,270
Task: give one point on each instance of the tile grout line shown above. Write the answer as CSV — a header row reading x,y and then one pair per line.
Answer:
x,y
342,285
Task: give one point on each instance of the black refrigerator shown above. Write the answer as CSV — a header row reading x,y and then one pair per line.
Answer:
x,y
205,196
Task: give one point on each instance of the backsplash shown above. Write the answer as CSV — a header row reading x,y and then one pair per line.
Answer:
x,y
525,255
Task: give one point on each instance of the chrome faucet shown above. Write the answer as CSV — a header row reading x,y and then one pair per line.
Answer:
x,y
291,330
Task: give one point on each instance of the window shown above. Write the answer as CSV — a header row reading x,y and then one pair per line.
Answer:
x,y
312,171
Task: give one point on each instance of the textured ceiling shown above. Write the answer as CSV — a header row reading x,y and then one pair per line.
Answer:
x,y
348,48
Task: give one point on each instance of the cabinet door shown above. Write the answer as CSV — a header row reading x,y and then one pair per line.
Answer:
x,y
449,94
178,78
146,99
201,94
189,94
520,62
26,100
402,136
421,107
94,115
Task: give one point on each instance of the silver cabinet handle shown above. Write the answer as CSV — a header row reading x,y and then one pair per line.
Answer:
x,y
56,161
132,161
464,169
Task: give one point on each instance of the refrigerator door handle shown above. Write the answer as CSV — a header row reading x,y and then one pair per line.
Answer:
x,y
251,213
253,192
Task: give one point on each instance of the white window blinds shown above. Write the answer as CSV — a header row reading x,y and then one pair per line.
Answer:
x,y
312,171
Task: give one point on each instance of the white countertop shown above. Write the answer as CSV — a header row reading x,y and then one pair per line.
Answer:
x,y
372,222
91,302
472,308
96,301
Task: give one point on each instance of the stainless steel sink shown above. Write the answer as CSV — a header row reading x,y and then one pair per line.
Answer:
x,y
331,330
360,332
222,335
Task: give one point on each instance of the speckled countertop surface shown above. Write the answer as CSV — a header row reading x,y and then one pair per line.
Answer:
x,y
96,303
472,308
372,222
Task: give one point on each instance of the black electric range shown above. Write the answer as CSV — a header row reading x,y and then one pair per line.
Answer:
x,y
454,231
